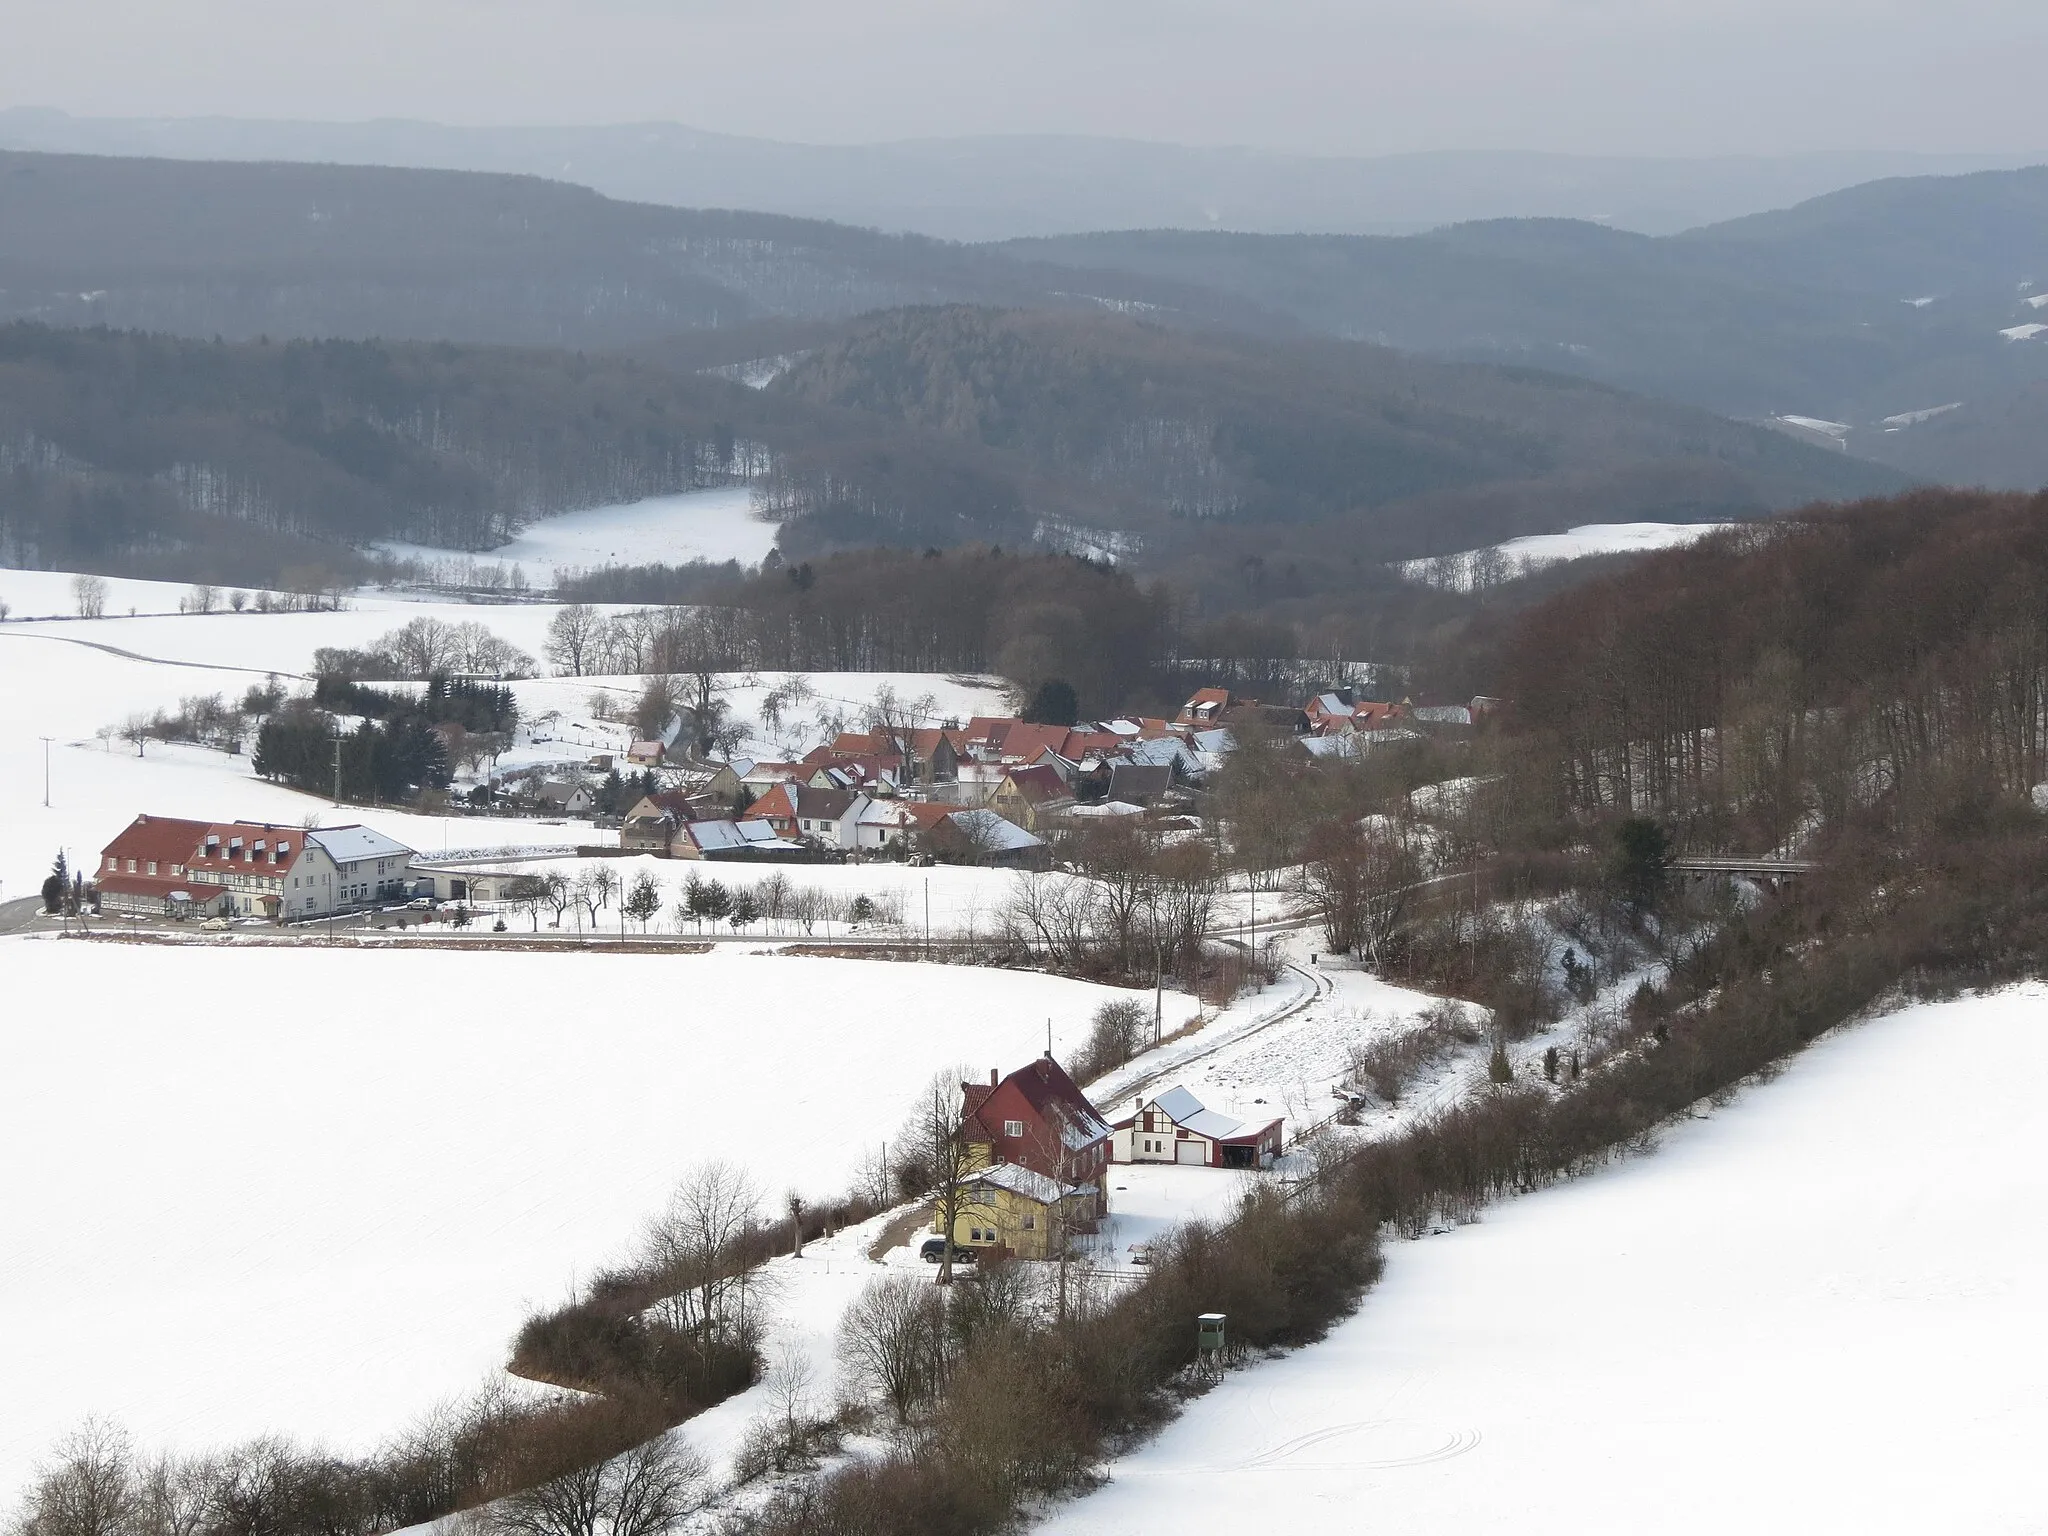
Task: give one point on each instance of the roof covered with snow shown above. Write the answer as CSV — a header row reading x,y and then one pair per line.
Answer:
x,y
350,844
1032,1185
988,830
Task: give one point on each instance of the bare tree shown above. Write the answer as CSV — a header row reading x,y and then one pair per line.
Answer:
x,y
89,596
892,1342
89,1489
1359,876
557,894
697,1244
643,1491
136,730
935,1138
572,638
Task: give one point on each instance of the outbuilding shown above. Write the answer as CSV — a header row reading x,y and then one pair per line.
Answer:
x,y
1177,1127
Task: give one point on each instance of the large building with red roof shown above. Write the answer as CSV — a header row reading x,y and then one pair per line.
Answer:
x,y
160,866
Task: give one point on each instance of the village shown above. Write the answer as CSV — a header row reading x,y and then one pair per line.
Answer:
x,y
994,792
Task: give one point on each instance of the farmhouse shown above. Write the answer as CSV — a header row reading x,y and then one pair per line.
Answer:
x,y
1038,1152
1177,1127
1021,1212
1038,1119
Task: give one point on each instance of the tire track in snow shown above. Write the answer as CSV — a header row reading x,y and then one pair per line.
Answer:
x,y
155,661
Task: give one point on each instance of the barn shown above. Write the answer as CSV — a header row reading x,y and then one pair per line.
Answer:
x,y
1177,1127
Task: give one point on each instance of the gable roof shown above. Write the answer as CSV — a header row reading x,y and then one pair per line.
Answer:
x,y
165,839
286,842
822,804
356,842
1191,1114
1030,742
1048,1090
717,836
985,829
1133,781
1038,782
776,801
1026,1182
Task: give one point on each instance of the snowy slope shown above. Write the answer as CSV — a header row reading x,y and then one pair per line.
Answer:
x,y
52,686
1534,551
1819,1309
715,525
314,1191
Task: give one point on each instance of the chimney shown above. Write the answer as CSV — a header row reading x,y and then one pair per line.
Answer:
x,y
992,1080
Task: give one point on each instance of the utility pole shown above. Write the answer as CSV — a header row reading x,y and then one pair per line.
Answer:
x,y
46,740
927,917
337,770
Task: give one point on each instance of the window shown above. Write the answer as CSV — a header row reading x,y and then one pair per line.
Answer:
x,y
112,862
131,866
1013,1127
152,866
1030,1223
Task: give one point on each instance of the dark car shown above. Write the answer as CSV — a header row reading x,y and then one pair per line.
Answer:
x,y
934,1250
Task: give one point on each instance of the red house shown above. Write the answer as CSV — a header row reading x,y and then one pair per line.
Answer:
x,y
1038,1119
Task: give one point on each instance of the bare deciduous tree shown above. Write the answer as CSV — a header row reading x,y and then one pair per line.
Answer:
x,y
892,1342
696,1246
935,1139
88,1489
89,596
572,638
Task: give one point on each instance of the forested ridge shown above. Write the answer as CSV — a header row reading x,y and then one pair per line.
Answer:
x,y
1253,473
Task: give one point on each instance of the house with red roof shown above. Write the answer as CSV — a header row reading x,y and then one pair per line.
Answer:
x,y
143,872
1028,795
161,866
1039,1154
1205,707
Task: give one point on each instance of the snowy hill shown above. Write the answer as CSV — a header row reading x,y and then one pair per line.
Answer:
x,y
1804,1312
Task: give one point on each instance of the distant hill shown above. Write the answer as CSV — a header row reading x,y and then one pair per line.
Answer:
x,y
244,250
996,187
1874,303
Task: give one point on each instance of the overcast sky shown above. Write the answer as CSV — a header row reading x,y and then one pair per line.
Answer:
x,y
1340,76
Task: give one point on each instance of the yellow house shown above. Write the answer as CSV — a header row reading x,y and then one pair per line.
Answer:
x,y
1023,1212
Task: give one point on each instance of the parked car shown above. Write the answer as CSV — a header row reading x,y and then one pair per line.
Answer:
x,y
934,1250
214,925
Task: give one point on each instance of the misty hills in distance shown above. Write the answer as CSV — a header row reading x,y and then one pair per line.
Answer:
x,y
996,188
1862,310
204,248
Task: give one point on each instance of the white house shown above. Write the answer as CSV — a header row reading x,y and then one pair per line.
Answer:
x,y
1177,1127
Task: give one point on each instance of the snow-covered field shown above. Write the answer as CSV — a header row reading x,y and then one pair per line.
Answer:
x,y
715,525
1820,1308
66,678
314,1191
1518,557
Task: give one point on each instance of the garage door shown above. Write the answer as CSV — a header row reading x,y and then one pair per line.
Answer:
x,y
1191,1152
